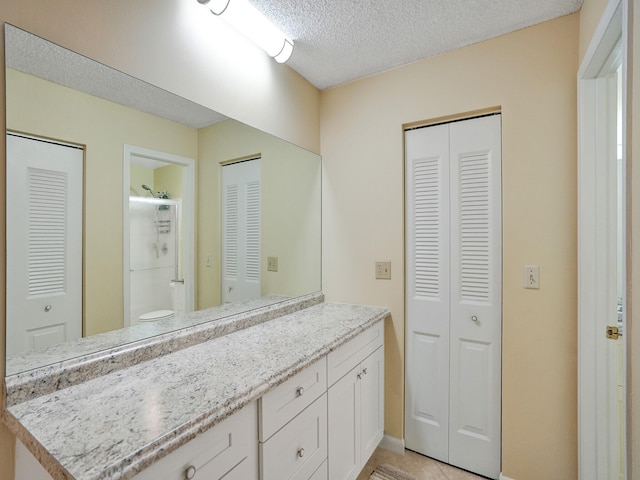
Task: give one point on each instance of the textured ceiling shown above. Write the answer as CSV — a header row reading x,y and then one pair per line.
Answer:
x,y
337,41
31,54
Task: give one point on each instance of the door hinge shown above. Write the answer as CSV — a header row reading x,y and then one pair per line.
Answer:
x,y
613,333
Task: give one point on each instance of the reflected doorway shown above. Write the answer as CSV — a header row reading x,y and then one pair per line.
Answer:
x,y
159,240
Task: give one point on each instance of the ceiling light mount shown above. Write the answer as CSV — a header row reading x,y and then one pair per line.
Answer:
x,y
247,20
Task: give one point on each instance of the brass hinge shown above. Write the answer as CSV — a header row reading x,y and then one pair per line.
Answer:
x,y
613,333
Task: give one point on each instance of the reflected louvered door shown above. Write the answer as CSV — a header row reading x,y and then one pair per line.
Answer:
x,y
241,231
44,243
454,266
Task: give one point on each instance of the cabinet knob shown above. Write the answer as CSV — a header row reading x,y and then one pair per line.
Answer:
x,y
364,370
300,391
47,308
360,376
474,318
301,452
190,472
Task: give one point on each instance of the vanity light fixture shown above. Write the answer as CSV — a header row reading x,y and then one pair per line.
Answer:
x,y
246,19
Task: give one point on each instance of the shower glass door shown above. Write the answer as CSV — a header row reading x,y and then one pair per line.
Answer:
x,y
155,274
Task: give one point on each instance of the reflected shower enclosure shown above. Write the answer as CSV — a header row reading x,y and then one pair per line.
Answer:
x,y
156,287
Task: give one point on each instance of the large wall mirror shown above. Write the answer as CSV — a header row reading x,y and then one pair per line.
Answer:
x,y
131,211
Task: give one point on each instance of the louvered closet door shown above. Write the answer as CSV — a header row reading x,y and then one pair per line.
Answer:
x,y
241,231
44,243
427,337
476,300
455,340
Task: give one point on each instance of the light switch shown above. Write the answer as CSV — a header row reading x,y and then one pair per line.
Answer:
x,y
531,276
383,270
272,264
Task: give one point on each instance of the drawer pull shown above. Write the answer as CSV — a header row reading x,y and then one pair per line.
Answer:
x,y
301,452
190,472
300,391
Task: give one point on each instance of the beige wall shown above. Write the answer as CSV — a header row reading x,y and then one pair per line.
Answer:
x,y
534,82
290,209
590,14
169,179
139,176
43,108
171,44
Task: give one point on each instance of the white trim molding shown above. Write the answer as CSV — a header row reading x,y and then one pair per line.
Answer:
x,y
502,477
393,444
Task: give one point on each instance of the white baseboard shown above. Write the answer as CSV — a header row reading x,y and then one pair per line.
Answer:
x,y
396,445
502,477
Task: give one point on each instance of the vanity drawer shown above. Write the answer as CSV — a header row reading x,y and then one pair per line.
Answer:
x,y
343,359
299,448
226,451
322,473
285,401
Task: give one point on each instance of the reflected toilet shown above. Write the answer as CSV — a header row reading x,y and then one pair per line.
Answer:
x,y
156,315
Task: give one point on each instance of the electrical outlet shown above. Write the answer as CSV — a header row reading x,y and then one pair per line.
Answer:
x,y
272,264
383,270
531,276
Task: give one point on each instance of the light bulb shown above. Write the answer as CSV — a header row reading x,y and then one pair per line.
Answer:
x,y
247,20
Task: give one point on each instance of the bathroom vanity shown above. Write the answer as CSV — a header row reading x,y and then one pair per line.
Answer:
x,y
289,394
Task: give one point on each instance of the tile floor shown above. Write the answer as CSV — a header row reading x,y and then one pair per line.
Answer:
x,y
421,467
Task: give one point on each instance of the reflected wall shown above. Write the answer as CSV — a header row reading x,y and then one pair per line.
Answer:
x,y
291,228
39,107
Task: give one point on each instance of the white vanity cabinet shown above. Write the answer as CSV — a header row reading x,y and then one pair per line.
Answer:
x,y
355,403
321,424
293,427
227,451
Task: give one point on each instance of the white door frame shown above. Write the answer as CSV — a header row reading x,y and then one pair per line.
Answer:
x,y
593,445
188,221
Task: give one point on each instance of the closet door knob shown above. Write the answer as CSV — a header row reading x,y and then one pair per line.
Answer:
x,y
190,472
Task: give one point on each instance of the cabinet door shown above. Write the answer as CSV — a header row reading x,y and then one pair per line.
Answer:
x,y
371,403
344,427
243,471
227,451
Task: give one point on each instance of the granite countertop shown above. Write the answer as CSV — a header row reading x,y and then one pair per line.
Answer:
x,y
114,426
64,365
82,347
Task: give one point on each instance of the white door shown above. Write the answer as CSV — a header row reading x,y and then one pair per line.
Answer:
x,y
454,285
44,243
241,231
